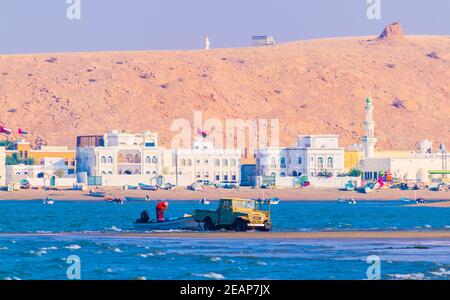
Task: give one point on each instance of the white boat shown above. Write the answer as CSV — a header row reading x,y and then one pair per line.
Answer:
x,y
48,201
134,199
184,223
148,187
97,194
204,201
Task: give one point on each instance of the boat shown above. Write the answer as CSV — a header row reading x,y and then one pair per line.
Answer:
x,y
352,201
48,201
148,187
97,194
349,186
187,222
131,187
274,201
405,200
134,199
204,201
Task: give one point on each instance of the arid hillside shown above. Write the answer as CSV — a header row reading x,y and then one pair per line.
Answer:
x,y
312,87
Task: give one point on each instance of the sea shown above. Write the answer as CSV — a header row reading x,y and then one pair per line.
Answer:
x,y
26,252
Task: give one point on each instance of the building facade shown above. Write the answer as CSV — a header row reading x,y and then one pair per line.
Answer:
x,y
2,166
314,156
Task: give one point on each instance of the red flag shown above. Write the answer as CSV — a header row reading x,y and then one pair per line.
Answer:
x,y
5,130
202,132
21,131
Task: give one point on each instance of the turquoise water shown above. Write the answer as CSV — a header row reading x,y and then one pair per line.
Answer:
x,y
44,257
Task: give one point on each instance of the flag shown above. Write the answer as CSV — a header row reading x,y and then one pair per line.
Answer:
x,y
202,133
21,131
5,130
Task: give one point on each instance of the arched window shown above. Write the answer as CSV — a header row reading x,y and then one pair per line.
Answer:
x,y
148,160
110,159
183,162
103,173
137,158
137,171
282,161
272,174
128,172
225,162
282,174
103,160
233,163
217,163
154,160
189,162
294,174
320,161
330,162
109,173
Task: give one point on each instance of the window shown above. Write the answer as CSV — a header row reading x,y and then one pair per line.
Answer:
x,y
294,174
183,162
154,160
110,159
217,163
226,204
148,160
205,162
233,177
299,160
272,161
330,162
282,174
225,177
282,161
225,163
199,175
320,161
109,173
189,162
217,177
103,160
233,163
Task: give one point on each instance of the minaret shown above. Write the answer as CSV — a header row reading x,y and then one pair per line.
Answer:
x,y
207,44
369,140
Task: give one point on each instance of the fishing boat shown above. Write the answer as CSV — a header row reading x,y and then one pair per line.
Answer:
x,y
134,199
148,187
274,201
185,223
131,187
48,201
204,201
97,194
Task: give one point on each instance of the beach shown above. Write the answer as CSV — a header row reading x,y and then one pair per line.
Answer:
x,y
285,194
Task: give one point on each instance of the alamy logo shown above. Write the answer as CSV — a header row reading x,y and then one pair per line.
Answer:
x,y
374,270
73,11
74,270
374,10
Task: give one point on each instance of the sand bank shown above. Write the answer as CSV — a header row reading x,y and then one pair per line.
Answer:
x,y
255,235
307,194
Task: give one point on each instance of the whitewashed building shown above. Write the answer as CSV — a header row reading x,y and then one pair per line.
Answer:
x,y
2,166
314,156
52,172
124,158
130,159
204,162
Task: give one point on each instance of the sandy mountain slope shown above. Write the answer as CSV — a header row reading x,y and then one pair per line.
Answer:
x,y
312,87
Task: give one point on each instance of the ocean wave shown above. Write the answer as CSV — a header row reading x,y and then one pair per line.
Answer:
x,y
261,263
412,276
145,255
210,275
11,278
441,272
113,228
215,258
3,248
73,247
37,253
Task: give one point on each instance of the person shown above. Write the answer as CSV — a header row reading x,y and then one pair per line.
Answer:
x,y
161,207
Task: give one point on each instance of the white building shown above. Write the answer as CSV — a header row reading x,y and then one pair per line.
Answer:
x,y
52,172
124,159
130,159
414,165
204,162
2,166
263,40
314,156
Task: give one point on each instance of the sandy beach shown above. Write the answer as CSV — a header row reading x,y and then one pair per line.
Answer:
x,y
307,194
259,235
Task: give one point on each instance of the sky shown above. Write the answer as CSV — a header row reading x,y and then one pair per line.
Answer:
x,y
42,26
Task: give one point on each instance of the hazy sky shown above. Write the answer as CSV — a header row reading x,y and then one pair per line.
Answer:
x,y
28,26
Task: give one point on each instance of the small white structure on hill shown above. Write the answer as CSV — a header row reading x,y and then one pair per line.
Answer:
x,y
369,140
263,40
207,44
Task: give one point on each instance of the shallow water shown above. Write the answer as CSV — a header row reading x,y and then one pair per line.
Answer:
x,y
76,216
44,257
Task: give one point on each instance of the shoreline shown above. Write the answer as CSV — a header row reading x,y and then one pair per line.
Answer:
x,y
287,194
253,235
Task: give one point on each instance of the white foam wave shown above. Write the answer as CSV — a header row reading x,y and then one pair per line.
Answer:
x,y
412,276
211,275
73,247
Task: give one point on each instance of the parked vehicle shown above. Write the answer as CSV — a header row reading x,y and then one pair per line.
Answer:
x,y
167,186
195,187
236,214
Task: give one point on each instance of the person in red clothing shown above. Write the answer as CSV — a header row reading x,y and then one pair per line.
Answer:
x,y
161,207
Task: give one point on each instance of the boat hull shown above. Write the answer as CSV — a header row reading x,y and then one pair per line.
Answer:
x,y
175,224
